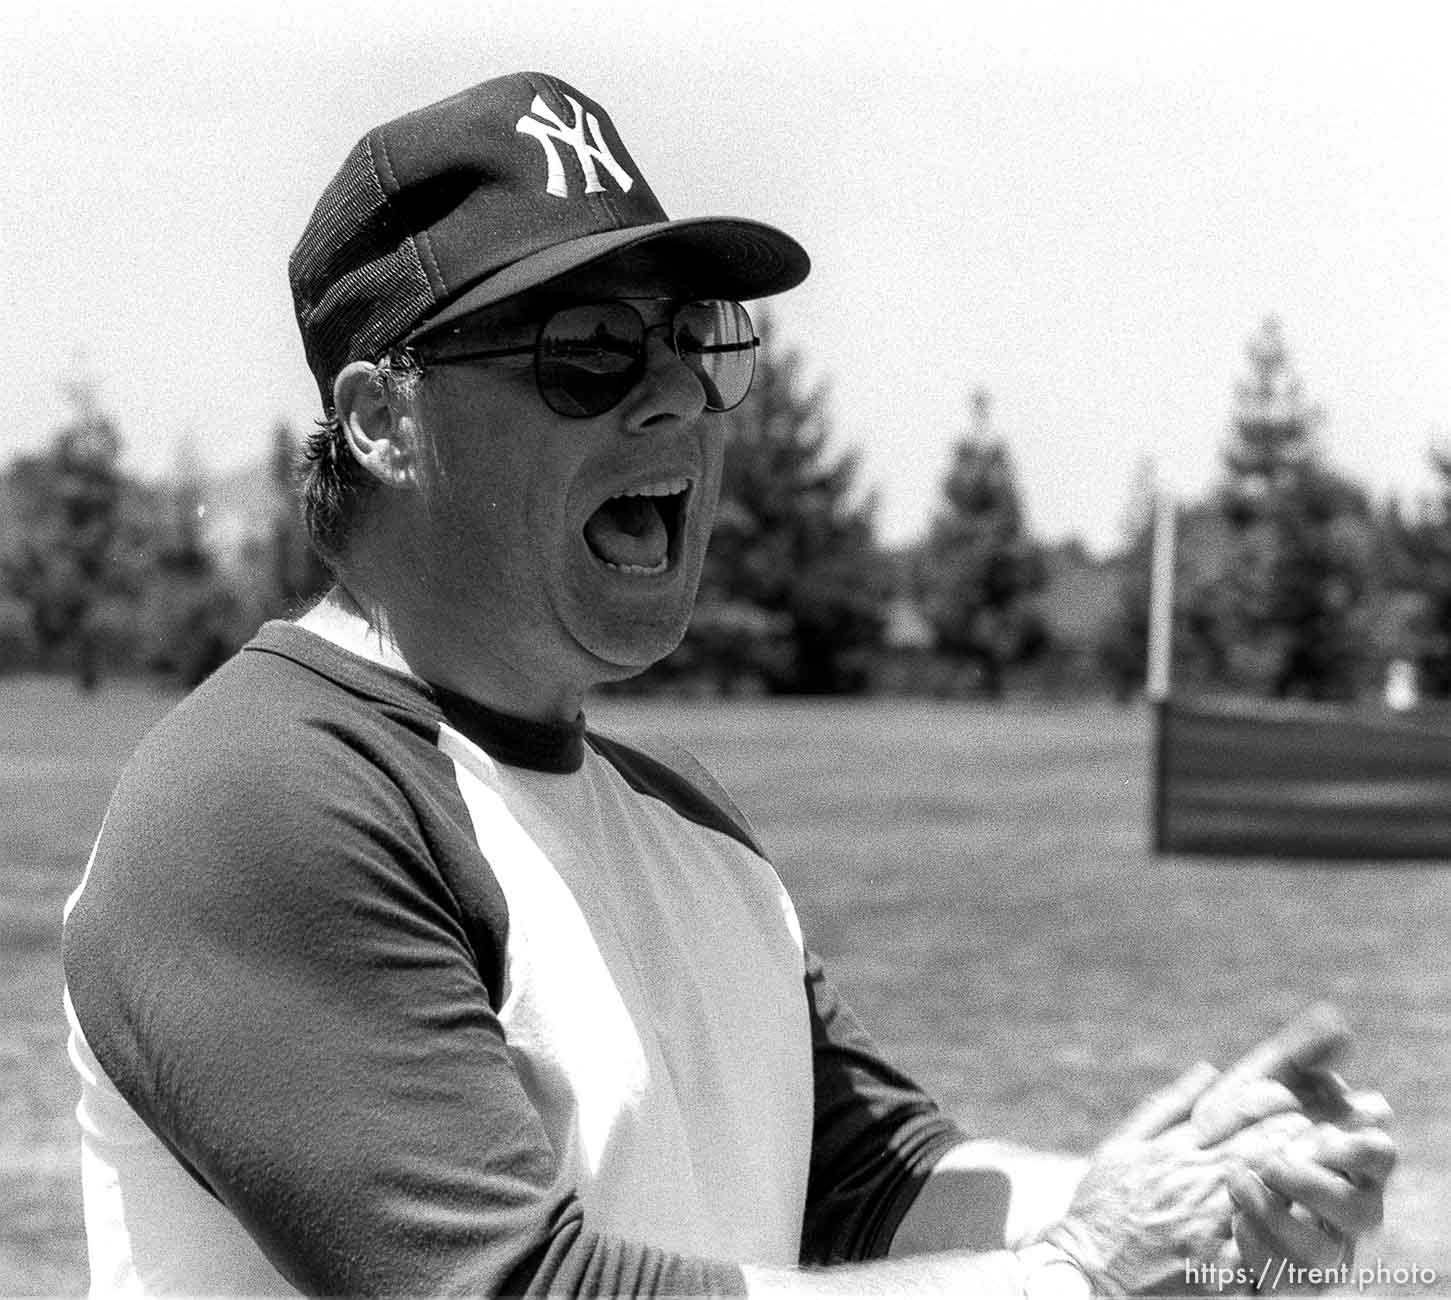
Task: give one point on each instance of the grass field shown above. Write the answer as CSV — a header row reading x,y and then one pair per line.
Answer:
x,y
977,879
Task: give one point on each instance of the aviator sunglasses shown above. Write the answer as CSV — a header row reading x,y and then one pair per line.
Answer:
x,y
588,357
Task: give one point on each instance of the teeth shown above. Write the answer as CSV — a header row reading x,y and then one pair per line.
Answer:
x,y
668,488
638,568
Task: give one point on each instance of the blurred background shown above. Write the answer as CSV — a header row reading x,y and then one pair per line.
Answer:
x,y
1061,252
1069,259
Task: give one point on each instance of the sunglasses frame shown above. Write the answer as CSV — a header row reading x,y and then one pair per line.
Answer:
x,y
637,365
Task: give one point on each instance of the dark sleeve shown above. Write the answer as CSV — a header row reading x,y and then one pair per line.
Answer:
x,y
274,973
875,1140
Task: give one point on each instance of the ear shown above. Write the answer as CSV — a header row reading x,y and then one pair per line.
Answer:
x,y
382,436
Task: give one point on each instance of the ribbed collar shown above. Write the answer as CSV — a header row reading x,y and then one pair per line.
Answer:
x,y
507,738
515,741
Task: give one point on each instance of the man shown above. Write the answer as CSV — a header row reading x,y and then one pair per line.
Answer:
x,y
388,976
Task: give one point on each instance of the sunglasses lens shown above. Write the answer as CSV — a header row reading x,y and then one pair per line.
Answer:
x,y
715,339
589,357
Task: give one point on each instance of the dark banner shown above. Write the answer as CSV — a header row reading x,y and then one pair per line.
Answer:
x,y
1273,779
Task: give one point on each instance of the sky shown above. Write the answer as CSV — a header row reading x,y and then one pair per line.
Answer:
x,y
1084,208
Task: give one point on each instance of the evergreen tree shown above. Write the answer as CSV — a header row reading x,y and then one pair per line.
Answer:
x,y
1301,536
184,551
1123,649
67,502
1426,545
794,591
980,570
193,617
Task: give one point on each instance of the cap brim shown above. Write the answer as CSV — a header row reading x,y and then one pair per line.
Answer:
x,y
715,257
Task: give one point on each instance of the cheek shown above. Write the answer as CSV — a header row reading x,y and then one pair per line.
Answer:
x,y
501,531
471,481
709,491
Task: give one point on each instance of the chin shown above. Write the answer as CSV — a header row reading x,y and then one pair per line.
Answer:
x,y
625,625
626,644
607,673
620,658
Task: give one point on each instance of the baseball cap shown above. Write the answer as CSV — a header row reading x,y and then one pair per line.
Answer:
x,y
494,191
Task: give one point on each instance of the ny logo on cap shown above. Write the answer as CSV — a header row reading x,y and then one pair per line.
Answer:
x,y
552,128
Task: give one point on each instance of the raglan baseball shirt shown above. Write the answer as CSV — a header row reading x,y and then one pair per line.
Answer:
x,y
373,990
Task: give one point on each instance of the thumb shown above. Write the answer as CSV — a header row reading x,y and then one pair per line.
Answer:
x,y
1161,1110
1311,1039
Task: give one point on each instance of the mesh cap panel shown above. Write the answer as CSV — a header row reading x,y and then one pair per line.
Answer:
x,y
357,279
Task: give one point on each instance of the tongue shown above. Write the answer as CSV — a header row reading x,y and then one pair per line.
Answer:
x,y
628,530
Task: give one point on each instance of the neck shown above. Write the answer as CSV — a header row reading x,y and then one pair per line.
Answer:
x,y
358,626
388,633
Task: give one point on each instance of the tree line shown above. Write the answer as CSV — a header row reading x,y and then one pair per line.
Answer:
x,y
1291,580
104,573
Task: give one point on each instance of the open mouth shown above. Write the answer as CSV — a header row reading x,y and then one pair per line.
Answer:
x,y
638,531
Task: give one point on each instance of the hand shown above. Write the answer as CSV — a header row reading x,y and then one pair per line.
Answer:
x,y
1311,1157
1304,1163
1302,1199
1288,1071
1152,1201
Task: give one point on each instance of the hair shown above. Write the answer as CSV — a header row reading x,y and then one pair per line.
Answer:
x,y
335,489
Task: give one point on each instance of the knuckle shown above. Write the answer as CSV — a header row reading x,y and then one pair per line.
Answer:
x,y
1272,1166
1371,1109
1370,1155
1273,1093
1383,1146
1248,1191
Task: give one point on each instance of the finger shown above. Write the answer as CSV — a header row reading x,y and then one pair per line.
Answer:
x,y
1230,1257
1167,1107
1265,1136
1348,1207
1204,1221
1364,1157
1223,1111
1264,1265
1322,1093
1255,1251
1218,1217
1285,1228
1314,1037
1366,1110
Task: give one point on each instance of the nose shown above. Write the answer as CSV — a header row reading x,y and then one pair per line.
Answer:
x,y
669,396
